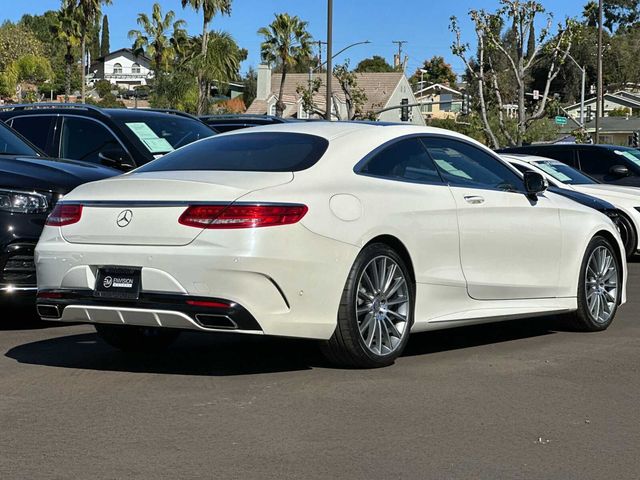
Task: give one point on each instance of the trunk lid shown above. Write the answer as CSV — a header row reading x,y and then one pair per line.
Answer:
x,y
143,209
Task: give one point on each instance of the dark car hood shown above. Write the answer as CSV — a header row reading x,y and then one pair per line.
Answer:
x,y
36,173
584,199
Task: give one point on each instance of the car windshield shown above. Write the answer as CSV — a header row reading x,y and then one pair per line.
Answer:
x,y
564,173
632,155
166,133
243,152
12,144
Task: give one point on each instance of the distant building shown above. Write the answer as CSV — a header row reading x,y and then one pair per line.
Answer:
x,y
382,90
612,101
615,130
439,101
123,68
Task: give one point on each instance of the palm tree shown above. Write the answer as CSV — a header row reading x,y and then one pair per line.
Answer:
x,y
286,41
67,30
87,12
153,38
209,9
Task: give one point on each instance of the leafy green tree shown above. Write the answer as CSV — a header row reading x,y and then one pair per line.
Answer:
x,y
30,70
103,88
155,37
105,41
250,82
67,32
94,41
88,13
437,70
355,96
618,14
374,64
17,41
209,8
285,40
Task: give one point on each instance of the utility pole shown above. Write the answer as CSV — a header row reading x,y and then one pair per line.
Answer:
x,y
400,43
600,89
329,101
320,43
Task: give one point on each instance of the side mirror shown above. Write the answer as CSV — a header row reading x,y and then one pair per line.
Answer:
x,y
619,171
116,158
535,183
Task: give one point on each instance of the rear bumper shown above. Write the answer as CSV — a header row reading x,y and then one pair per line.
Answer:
x,y
150,310
288,279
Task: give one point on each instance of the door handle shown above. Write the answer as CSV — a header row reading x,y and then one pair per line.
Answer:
x,y
474,199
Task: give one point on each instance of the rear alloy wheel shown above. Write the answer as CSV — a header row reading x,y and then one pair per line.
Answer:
x,y
137,339
599,287
376,311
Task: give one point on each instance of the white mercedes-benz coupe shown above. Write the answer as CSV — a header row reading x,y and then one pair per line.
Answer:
x,y
354,234
626,199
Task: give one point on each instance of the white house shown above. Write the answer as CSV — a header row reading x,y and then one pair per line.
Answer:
x,y
612,101
123,68
382,90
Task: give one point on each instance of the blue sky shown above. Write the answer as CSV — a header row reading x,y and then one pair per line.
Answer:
x,y
422,23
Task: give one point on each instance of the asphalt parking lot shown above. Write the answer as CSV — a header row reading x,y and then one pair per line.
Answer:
x,y
513,400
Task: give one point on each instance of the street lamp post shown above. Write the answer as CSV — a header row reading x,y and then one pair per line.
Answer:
x,y
327,62
584,86
329,58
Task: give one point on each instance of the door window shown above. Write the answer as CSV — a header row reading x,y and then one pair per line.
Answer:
x,y
403,160
563,155
598,162
34,128
464,165
84,139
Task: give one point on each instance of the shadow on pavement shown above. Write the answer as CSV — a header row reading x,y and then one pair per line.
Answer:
x,y
223,355
22,317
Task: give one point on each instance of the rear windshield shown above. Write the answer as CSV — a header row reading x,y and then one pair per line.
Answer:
x,y
245,152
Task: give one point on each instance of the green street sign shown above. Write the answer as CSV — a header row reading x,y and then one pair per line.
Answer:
x,y
561,120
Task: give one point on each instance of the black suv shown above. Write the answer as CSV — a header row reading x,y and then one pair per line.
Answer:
x,y
606,163
117,137
30,185
226,123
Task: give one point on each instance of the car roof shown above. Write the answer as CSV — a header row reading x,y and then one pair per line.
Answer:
x,y
332,130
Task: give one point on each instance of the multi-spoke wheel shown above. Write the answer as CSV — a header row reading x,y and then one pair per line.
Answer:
x,y
599,287
376,312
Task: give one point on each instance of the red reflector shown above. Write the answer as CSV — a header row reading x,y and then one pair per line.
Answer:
x,y
241,216
49,295
203,303
64,215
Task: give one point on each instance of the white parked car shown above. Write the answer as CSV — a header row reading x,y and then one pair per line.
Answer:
x,y
352,234
625,199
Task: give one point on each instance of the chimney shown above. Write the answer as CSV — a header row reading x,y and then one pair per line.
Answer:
x,y
264,82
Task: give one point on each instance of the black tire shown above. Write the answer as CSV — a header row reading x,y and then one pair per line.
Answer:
x,y
347,347
582,319
628,234
137,339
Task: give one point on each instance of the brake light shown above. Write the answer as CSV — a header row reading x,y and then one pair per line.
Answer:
x,y
241,216
64,214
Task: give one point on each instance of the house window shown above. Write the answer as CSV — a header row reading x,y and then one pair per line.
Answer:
x,y
302,113
135,68
272,109
446,99
117,68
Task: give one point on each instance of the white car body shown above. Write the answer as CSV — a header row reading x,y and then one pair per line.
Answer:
x,y
477,255
624,198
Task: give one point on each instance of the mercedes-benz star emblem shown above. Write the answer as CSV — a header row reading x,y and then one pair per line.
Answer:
x,y
124,218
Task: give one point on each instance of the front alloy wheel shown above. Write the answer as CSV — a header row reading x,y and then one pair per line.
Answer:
x,y
376,311
599,287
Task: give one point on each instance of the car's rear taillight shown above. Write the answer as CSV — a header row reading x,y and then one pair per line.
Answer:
x,y
241,216
64,214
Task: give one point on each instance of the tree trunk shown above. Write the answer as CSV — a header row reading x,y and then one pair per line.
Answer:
x,y
522,112
280,106
67,74
202,84
84,67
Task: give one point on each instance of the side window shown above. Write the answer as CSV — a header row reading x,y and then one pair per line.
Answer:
x,y
563,155
84,139
403,160
464,165
34,128
596,162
